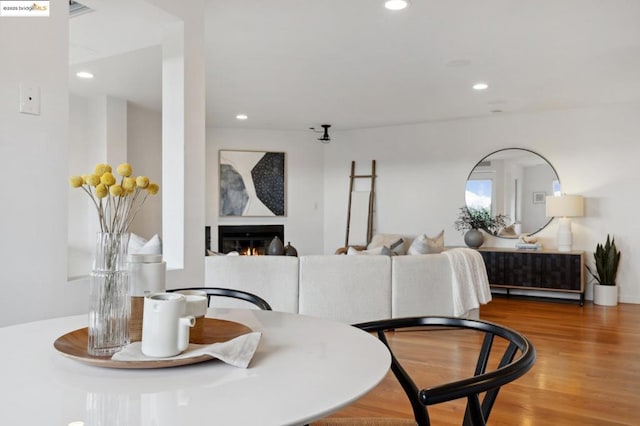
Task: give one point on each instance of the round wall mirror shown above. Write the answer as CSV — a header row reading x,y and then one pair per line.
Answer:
x,y
513,182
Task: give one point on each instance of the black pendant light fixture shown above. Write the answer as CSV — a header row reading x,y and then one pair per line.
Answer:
x,y
325,135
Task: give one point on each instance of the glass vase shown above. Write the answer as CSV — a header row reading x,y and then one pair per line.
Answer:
x,y
109,302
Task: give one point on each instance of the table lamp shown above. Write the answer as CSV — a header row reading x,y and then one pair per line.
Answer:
x,y
564,207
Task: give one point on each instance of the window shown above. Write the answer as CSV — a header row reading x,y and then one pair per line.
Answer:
x,y
479,194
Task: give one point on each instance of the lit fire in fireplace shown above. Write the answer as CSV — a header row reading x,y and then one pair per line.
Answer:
x,y
250,251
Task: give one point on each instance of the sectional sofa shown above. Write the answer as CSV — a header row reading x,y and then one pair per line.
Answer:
x,y
350,289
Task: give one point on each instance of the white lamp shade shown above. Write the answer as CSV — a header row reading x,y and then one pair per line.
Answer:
x,y
565,206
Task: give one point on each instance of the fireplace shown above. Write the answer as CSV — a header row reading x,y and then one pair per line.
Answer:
x,y
248,239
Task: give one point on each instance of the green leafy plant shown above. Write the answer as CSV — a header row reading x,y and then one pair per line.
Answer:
x,y
479,219
606,258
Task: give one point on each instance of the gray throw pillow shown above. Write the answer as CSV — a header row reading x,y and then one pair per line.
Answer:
x,y
394,241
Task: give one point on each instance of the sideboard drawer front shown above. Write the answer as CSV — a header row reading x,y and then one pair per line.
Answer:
x,y
535,270
494,262
563,272
523,269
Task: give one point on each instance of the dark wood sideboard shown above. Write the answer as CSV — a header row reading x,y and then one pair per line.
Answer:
x,y
546,270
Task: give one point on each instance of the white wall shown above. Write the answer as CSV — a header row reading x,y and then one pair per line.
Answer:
x,y
536,179
97,134
144,153
183,239
304,183
80,227
419,186
33,149
422,171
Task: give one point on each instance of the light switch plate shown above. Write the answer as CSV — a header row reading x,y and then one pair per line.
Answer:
x,y
29,99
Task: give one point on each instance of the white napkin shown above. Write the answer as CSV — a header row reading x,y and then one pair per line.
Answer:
x,y
237,352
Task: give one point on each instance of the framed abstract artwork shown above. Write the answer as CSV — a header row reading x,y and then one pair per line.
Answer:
x,y
539,197
252,183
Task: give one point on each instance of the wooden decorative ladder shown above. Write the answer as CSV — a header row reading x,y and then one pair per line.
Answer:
x,y
352,178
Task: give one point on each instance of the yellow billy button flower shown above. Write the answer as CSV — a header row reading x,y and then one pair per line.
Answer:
x,y
124,169
153,188
142,182
101,169
129,184
114,194
76,181
107,179
93,180
101,191
116,190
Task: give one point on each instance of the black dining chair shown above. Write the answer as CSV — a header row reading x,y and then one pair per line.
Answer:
x,y
231,293
513,358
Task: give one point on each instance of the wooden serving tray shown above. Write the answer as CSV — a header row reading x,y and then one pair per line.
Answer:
x,y
74,346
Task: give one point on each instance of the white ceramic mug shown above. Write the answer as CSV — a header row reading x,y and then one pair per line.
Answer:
x,y
165,327
146,276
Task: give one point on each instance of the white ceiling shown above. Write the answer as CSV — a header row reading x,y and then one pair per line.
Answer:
x,y
121,49
293,64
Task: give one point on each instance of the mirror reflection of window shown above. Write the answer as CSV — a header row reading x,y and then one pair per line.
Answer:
x,y
479,194
556,188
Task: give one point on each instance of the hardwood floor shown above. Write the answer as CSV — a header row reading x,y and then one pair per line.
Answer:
x,y
587,370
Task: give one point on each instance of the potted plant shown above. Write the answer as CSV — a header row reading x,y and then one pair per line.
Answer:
x,y
471,221
606,258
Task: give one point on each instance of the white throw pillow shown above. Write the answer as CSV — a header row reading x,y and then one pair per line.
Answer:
x,y
140,245
427,245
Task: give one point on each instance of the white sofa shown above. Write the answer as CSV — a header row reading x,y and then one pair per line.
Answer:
x,y
350,289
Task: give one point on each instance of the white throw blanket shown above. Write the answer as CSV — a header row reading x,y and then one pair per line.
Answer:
x,y
470,281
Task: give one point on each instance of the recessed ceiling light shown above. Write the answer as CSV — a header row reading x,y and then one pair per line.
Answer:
x,y
84,74
242,116
480,86
396,4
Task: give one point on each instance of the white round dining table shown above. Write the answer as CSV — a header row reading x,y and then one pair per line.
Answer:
x,y
304,368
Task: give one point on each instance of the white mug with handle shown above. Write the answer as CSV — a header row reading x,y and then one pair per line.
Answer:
x,y
165,327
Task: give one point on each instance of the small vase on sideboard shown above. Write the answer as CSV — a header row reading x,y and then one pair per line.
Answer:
x,y
473,238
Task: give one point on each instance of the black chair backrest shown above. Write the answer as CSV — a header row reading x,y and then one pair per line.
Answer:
x,y
232,293
518,358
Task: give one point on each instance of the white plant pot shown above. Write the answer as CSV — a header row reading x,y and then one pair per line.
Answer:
x,y
605,295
